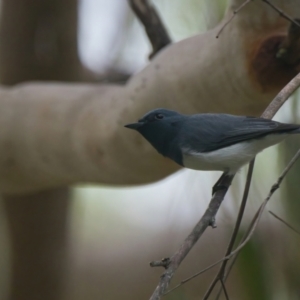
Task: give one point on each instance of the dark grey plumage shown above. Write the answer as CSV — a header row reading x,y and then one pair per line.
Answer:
x,y
170,132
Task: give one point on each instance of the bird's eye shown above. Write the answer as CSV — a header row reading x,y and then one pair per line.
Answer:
x,y
159,116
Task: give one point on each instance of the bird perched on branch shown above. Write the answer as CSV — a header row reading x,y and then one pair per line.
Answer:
x,y
219,142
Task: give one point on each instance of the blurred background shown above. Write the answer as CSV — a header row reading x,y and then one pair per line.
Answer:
x,y
115,232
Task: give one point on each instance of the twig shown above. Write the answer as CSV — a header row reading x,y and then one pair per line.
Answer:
x,y
224,289
255,220
281,13
233,15
235,252
161,263
233,260
154,27
235,256
284,222
282,96
253,223
180,254
197,274
220,275
244,237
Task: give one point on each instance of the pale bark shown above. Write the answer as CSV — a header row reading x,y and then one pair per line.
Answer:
x,y
60,134
38,42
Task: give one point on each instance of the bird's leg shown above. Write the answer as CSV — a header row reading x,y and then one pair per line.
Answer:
x,y
223,182
217,185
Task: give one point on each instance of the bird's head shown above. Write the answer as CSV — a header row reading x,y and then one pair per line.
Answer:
x,y
159,127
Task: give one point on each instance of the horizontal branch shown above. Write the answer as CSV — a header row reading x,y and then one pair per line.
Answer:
x,y
55,134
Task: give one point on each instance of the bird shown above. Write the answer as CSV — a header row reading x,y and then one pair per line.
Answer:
x,y
210,141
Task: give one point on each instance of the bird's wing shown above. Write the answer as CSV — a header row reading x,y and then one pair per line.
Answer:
x,y
209,132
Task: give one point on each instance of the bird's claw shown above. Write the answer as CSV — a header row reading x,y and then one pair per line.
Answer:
x,y
218,187
213,223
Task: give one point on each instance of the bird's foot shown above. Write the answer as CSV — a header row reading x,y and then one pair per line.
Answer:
x,y
213,223
219,187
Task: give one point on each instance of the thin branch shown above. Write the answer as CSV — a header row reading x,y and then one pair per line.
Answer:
x,y
253,224
250,232
284,222
161,263
247,233
281,12
256,218
221,274
232,17
282,96
155,29
244,237
206,220
240,214
224,289
197,274
232,262
235,252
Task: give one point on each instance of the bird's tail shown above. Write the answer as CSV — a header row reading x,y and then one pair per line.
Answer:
x,y
295,131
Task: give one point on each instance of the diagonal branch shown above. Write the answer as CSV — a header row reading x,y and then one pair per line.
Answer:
x,y
224,289
206,220
282,13
284,222
154,27
294,22
281,98
251,229
221,273
232,16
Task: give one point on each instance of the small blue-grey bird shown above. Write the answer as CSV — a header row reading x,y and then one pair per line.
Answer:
x,y
219,142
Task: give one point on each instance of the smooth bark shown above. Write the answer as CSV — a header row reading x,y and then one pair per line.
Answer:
x,y
65,134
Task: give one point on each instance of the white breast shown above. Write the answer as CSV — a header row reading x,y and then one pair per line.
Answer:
x,y
229,159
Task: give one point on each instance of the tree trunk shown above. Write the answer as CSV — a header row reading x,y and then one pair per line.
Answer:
x,y
38,42
38,234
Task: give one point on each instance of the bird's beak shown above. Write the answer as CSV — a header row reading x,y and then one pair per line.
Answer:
x,y
134,126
